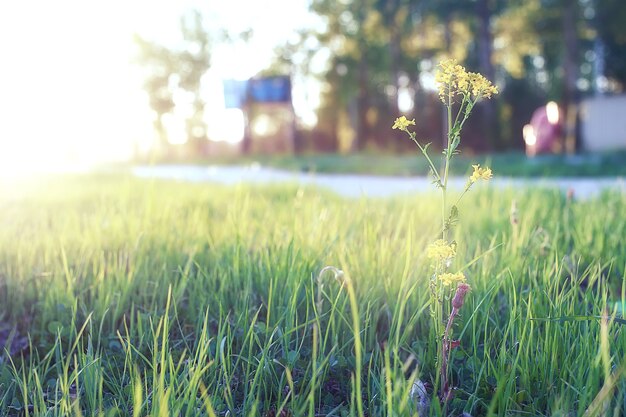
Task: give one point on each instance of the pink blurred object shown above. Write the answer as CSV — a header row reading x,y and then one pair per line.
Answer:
x,y
543,132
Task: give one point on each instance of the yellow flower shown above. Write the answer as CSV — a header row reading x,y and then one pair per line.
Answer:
x,y
462,79
480,86
453,79
449,279
480,173
441,250
403,123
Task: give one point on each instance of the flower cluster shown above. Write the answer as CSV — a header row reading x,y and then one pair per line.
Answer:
x,y
441,250
403,123
448,279
453,79
481,87
480,173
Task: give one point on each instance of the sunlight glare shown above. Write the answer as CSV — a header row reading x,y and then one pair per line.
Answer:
x,y
72,96
226,125
528,133
552,111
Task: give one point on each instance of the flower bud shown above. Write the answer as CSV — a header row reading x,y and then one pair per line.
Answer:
x,y
459,297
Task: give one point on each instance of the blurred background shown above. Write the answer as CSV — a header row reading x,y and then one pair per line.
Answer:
x,y
85,83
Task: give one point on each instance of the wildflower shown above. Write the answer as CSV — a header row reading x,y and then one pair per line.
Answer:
x,y
453,79
444,77
481,87
403,123
441,250
459,297
480,174
449,279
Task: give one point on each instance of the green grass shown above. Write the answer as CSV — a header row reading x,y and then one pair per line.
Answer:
x,y
124,297
505,164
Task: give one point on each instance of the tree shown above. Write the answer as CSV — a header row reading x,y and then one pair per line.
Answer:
x,y
159,65
484,14
540,49
608,21
194,61
168,70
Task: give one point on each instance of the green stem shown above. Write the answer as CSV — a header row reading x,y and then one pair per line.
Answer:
x,y
449,155
463,104
466,114
430,162
446,169
467,188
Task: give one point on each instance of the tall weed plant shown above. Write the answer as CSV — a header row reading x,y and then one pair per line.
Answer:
x,y
459,91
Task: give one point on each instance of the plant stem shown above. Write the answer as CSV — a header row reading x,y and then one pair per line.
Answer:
x,y
430,162
446,168
444,356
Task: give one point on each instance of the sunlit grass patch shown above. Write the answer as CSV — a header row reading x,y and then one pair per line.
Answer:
x,y
127,297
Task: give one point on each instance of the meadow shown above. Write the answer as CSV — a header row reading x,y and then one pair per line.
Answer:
x,y
125,297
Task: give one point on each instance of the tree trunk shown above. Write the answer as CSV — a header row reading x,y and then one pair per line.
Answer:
x,y
485,52
395,53
395,56
362,104
162,147
362,101
570,75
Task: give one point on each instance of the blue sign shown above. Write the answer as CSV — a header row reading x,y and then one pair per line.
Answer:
x,y
270,90
238,93
235,93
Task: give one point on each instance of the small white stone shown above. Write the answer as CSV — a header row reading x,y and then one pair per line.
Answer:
x,y
420,399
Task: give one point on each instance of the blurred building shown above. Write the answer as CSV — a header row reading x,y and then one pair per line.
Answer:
x,y
269,117
603,123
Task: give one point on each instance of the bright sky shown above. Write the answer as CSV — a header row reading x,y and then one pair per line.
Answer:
x,y
68,92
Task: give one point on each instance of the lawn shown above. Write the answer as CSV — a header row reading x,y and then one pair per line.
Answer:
x,y
122,297
512,164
